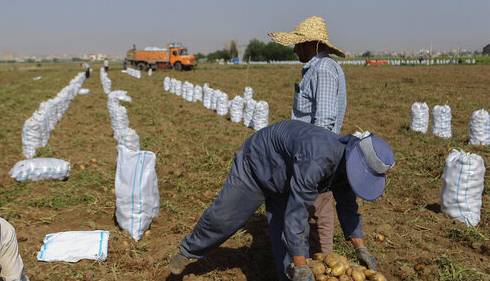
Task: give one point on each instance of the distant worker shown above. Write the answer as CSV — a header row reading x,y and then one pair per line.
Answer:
x,y
320,99
86,68
10,260
307,160
106,65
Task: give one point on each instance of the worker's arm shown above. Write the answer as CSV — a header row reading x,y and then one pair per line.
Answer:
x,y
304,182
347,211
324,88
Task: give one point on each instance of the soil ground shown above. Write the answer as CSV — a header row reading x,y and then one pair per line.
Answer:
x,y
194,149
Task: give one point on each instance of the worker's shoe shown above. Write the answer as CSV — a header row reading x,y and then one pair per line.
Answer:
x,y
178,263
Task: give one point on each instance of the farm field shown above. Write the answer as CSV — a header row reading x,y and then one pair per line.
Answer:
x,y
194,148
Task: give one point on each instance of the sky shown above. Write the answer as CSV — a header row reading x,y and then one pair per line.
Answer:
x,y
56,27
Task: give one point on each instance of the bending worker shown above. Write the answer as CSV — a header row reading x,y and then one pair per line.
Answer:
x,y
320,99
287,165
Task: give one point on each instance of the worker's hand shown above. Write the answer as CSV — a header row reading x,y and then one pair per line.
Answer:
x,y
365,257
300,273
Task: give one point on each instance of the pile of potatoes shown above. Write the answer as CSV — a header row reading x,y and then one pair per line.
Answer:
x,y
334,267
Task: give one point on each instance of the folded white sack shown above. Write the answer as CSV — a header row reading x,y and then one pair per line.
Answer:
x,y
72,246
84,91
37,169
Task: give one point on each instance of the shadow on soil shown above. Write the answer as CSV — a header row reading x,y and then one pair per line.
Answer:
x,y
254,261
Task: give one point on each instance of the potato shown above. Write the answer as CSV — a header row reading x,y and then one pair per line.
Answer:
x,y
344,260
321,277
318,256
332,279
358,275
349,271
369,273
317,268
377,277
331,259
339,269
344,278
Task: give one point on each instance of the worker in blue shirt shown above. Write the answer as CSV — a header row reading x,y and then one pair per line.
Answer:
x,y
287,165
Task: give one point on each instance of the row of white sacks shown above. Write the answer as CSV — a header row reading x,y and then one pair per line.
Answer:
x,y
136,184
413,62
479,128
254,114
37,129
133,72
123,134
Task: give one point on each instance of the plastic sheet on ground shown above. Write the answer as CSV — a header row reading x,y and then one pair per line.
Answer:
x,y
166,84
37,169
462,187
73,246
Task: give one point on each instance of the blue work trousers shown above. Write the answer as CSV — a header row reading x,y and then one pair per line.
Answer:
x,y
238,200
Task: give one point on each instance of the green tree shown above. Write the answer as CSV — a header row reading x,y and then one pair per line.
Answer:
x,y
254,51
259,51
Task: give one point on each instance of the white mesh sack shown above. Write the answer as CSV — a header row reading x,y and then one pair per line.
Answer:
x,y
31,137
248,93
166,84
137,196
214,99
190,92
441,117
37,169
479,128
178,88
462,186
120,96
207,96
128,138
172,85
249,112
222,104
261,115
236,109
197,93
420,117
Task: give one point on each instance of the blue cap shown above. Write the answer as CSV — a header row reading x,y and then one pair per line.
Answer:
x,y
367,161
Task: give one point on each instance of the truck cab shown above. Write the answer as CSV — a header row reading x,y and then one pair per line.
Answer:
x,y
179,57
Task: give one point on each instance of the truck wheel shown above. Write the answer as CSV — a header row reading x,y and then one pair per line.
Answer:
x,y
178,66
141,66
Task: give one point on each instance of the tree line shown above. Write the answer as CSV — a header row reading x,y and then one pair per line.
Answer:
x,y
256,50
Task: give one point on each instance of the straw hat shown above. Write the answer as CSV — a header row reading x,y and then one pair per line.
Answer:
x,y
311,29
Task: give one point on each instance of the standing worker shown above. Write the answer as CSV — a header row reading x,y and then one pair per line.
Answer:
x,y
287,165
86,68
106,65
320,99
10,260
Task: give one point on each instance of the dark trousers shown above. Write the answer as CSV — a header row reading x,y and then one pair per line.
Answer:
x,y
238,200
87,73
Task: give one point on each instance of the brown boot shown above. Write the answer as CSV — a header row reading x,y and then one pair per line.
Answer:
x,y
178,263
